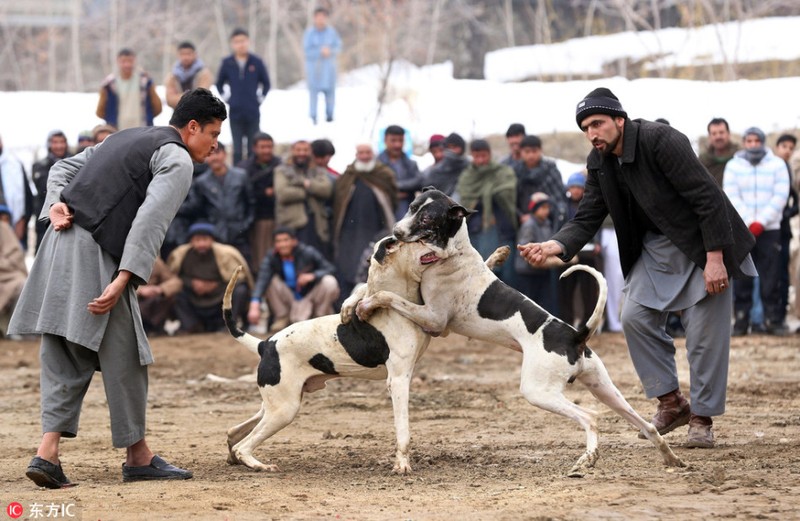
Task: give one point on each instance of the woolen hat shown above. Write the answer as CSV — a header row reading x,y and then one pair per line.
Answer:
x,y
576,179
455,140
756,132
599,101
202,229
537,200
436,140
5,210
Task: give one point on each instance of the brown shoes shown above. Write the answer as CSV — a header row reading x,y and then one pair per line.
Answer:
x,y
701,434
673,412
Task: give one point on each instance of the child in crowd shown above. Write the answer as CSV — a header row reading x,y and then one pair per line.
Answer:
x,y
538,284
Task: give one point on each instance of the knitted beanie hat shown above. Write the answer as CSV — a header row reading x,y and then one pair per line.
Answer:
x,y
599,101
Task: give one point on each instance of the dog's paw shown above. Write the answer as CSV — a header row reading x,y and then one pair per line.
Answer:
x,y
262,467
498,257
347,312
402,467
365,309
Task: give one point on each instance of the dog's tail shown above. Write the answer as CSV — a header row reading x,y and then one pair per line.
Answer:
x,y
246,339
597,315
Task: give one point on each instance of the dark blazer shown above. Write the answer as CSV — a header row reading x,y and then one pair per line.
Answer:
x,y
673,189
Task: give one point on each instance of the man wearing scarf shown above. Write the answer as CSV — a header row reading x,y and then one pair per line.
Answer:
x,y
757,183
188,73
490,189
364,202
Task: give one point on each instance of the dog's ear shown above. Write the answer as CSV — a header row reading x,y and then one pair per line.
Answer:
x,y
385,247
457,211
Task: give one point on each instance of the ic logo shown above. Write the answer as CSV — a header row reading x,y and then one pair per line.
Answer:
x,y
14,510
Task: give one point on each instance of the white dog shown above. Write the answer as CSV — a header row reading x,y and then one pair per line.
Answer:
x,y
304,356
462,295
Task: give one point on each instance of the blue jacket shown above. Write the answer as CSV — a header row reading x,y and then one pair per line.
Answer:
x,y
248,88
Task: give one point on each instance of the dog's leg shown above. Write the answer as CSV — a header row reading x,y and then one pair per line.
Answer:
x,y
429,319
595,377
543,388
350,303
400,367
498,257
281,407
238,432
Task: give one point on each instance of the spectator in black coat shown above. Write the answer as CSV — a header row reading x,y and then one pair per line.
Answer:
x,y
260,168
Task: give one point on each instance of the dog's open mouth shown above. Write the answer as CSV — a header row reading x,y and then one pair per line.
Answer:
x,y
428,258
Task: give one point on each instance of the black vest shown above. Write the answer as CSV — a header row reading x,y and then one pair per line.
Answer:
x,y
106,193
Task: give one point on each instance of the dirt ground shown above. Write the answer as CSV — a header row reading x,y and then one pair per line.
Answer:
x,y
479,450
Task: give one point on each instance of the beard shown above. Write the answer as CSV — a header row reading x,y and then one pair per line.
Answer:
x,y
364,166
301,163
608,148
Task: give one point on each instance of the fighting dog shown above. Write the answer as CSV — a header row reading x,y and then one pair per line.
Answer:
x,y
304,356
461,295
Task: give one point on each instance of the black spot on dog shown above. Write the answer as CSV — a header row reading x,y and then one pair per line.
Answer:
x,y
587,353
500,302
227,315
269,369
363,342
380,252
322,363
562,339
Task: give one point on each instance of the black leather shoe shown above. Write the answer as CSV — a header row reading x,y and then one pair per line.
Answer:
x,y
157,469
46,474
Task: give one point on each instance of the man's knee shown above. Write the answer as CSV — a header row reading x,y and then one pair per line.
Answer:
x,y
635,317
329,286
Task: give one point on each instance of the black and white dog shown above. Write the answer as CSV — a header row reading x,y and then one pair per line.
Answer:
x,y
304,356
461,294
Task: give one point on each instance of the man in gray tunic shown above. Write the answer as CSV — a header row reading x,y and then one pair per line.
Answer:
x,y
109,209
680,242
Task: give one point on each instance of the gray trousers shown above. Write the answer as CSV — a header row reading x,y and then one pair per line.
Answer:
x,y
68,368
708,340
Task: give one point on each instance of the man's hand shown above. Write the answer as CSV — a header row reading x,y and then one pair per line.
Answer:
x,y
149,291
325,51
203,287
269,192
61,217
254,312
305,278
105,302
537,253
715,274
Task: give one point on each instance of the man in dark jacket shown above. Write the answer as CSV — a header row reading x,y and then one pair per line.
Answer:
x,y
260,168
406,171
720,148
248,83
535,173
57,149
680,242
297,280
222,196
444,175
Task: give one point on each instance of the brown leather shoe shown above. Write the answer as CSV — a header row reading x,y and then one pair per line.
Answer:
x,y
701,434
673,412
